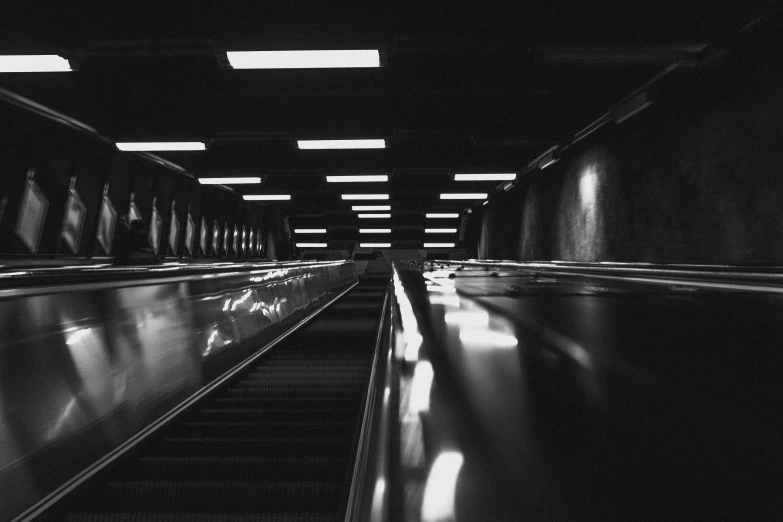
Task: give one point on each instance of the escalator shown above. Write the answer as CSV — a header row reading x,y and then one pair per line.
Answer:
x,y
275,444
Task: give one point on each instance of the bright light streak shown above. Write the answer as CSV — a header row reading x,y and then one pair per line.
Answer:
x,y
320,59
369,216
484,337
442,289
374,230
485,177
442,216
310,230
365,196
77,335
472,318
13,63
371,207
445,300
375,245
226,305
441,488
421,385
160,146
267,197
467,195
230,181
438,245
369,178
341,144
311,245
440,230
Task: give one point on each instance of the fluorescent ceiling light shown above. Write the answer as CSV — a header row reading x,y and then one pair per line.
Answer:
x,y
310,230
342,144
229,181
311,245
160,146
485,177
369,178
376,245
365,196
304,59
33,63
438,245
371,207
471,195
267,197
440,230
374,230
442,216
368,216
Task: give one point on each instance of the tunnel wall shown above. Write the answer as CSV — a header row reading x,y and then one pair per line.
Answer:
x,y
697,177
55,154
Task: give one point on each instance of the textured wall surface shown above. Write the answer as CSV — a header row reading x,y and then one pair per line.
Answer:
x,y
695,178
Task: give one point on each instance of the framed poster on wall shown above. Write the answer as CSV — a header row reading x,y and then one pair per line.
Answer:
x,y
190,232
156,223
73,221
106,223
32,214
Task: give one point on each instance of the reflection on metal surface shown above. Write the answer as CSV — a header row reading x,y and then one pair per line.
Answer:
x,y
441,488
421,386
84,367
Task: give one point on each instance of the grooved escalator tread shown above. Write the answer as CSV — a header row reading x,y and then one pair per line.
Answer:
x,y
273,445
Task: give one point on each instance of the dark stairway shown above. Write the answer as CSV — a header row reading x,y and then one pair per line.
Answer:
x,y
276,444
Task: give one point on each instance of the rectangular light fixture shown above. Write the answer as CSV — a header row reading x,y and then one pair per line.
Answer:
x,y
311,245
442,216
470,195
341,144
229,181
10,63
440,230
310,230
375,245
367,178
485,177
365,196
267,197
370,216
371,207
316,59
374,230
151,146
438,245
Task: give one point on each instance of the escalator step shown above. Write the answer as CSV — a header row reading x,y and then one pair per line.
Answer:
x,y
201,517
251,446
223,497
237,468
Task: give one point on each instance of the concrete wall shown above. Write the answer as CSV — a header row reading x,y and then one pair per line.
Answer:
x,y
695,178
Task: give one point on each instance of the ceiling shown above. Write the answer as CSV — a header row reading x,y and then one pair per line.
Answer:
x,y
463,89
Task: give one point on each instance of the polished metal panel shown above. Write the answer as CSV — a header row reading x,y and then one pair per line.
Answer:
x,y
85,365
521,394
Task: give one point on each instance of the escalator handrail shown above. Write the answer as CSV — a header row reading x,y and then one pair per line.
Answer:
x,y
364,503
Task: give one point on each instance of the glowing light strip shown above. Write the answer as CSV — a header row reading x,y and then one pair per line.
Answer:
x,y
160,146
341,144
485,177
371,207
267,197
16,63
370,178
311,59
375,231
310,231
440,230
375,245
229,181
438,245
311,245
470,195
442,216
364,196
369,216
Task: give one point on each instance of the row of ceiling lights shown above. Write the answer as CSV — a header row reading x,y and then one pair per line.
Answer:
x,y
375,245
